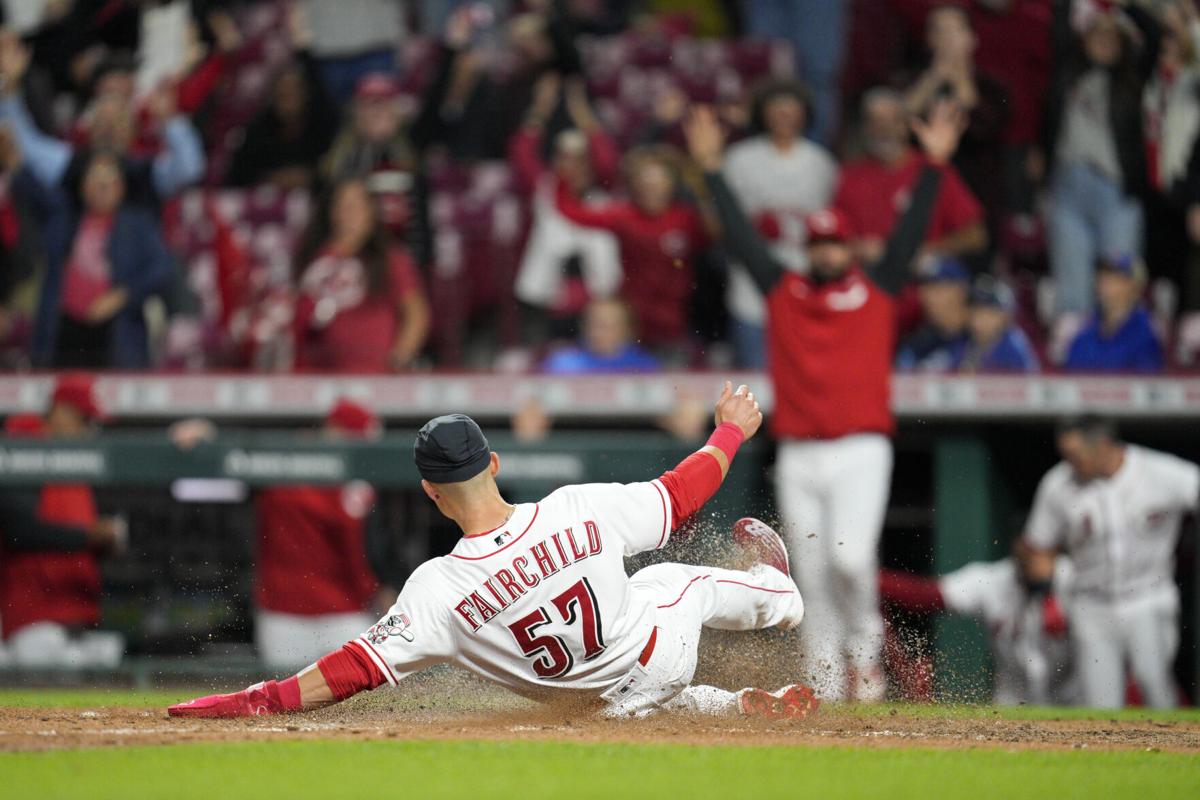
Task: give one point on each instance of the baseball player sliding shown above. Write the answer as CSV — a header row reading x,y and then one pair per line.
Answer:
x,y
535,598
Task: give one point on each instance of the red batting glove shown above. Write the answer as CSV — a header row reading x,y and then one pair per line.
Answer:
x,y
270,697
1054,621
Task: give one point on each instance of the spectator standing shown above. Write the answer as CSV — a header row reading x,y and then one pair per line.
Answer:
x,y
1115,509
659,236
1094,132
1120,335
354,38
874,189
104,259
284,144
830,336
148,179
953,73
20,253
938,346
361,306
997,343
314,585
564,264
374,147
816,30
778,177
1172,125
50,598
607,344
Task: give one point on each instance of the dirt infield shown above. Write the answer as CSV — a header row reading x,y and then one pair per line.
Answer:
x,y
488,716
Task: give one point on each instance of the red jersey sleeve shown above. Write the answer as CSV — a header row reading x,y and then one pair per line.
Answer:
x,y
605,157
610,217
524,157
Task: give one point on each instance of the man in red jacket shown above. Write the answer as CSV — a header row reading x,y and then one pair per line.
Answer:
x,y
314,587
830,338
48,597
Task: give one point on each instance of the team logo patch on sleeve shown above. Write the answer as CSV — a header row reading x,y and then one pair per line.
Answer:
x,y
395,625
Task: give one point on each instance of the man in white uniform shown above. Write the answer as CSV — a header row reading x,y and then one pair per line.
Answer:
x,y
1115,508
535,598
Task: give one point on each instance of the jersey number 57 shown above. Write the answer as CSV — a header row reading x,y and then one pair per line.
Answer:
x,y
551,656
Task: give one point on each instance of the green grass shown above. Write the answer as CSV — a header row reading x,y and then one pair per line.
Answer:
x,y
420,769
336,769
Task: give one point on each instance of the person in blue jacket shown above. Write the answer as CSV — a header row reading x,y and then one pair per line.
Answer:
x,y
1120,336
607,344
996,344
104,258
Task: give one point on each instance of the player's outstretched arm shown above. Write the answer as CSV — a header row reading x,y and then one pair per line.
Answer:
x,y
698,476
339,675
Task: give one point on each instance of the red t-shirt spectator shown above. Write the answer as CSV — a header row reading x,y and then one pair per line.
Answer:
x,y
656,253
874,194
311,550
341,326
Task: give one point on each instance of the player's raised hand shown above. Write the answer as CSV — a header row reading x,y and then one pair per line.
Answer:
x,y
740,408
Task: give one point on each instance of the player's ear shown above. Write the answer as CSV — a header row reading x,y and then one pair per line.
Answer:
x,y
430,491
494,467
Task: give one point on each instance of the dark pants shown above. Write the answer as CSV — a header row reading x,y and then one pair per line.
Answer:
x,y
82,346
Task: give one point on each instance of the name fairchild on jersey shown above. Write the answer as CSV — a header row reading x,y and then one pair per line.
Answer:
x,y
527,570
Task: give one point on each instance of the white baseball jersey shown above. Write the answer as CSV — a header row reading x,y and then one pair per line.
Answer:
x,y
1121,531
1031,666
540,603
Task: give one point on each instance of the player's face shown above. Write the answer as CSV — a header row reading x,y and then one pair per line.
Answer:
x,y
65,421
783,117
1082,455
830,260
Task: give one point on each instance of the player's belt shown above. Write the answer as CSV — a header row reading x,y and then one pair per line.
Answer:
x,y
648,650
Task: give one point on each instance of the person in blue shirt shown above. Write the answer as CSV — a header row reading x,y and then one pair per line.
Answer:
x,y
607,344
938,345
997,344
1120,336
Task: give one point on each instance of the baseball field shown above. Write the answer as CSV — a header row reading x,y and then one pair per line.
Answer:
x,y
452,737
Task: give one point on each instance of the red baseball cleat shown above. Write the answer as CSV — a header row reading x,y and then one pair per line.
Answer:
x,y
791,702
253,701
761,540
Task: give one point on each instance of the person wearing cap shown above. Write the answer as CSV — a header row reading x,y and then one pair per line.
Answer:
x,y
938,345
997,343
779,176
314,583
535,597
831,338
374,146
50,595
1120,336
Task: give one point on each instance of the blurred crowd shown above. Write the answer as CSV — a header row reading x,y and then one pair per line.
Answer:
x,y
380,185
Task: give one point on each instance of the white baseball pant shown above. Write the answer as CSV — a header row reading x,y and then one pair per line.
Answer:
x,y
832,496
1106,635
295,640
687,598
